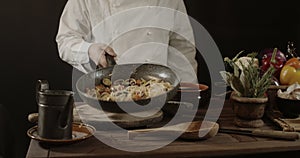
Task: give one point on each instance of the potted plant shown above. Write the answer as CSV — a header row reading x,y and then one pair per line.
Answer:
x,y
249,87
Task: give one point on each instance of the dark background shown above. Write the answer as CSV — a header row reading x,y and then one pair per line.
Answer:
x,y
29,52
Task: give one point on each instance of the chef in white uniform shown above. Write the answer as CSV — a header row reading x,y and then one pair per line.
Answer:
x,y
133,31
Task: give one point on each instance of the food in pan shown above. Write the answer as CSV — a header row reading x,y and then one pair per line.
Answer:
x,y
129,89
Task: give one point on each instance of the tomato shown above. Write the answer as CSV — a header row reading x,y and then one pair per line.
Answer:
x,y
294,62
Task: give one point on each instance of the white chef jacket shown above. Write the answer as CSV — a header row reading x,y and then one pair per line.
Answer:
x,y
139,31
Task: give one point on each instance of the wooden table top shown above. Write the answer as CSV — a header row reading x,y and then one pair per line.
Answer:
x,y
220,145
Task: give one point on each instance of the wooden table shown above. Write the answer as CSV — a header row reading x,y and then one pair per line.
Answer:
x,y
222,145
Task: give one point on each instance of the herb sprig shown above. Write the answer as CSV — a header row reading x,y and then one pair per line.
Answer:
x,y
247,80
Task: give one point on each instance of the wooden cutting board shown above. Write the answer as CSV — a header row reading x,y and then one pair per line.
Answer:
x,y
294,123
188,130
288,125
92,115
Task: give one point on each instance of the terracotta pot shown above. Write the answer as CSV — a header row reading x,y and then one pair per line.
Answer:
x,y
248,111
193,92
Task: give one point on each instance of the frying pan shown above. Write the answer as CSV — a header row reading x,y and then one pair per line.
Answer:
x,y
126,71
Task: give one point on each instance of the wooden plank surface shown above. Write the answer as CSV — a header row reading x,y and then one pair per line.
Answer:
x,y
36,150
209,148
220,145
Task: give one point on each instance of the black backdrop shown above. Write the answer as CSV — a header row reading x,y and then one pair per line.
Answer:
x,y
28,48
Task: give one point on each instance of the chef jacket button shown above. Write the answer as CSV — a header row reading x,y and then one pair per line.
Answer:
x,y
147,60
149,33
116,4
116,32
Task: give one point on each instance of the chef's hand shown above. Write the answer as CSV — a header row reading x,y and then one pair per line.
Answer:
x,y
97,53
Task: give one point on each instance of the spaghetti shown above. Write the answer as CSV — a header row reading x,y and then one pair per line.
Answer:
x,y
130,89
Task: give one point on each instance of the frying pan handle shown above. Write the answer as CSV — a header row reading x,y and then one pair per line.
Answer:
x,y
110,61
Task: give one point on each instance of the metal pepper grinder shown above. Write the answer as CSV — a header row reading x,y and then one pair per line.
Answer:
x,y
55,112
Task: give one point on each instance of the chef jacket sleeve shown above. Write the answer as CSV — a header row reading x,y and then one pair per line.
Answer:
x,y
182,37
73,35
